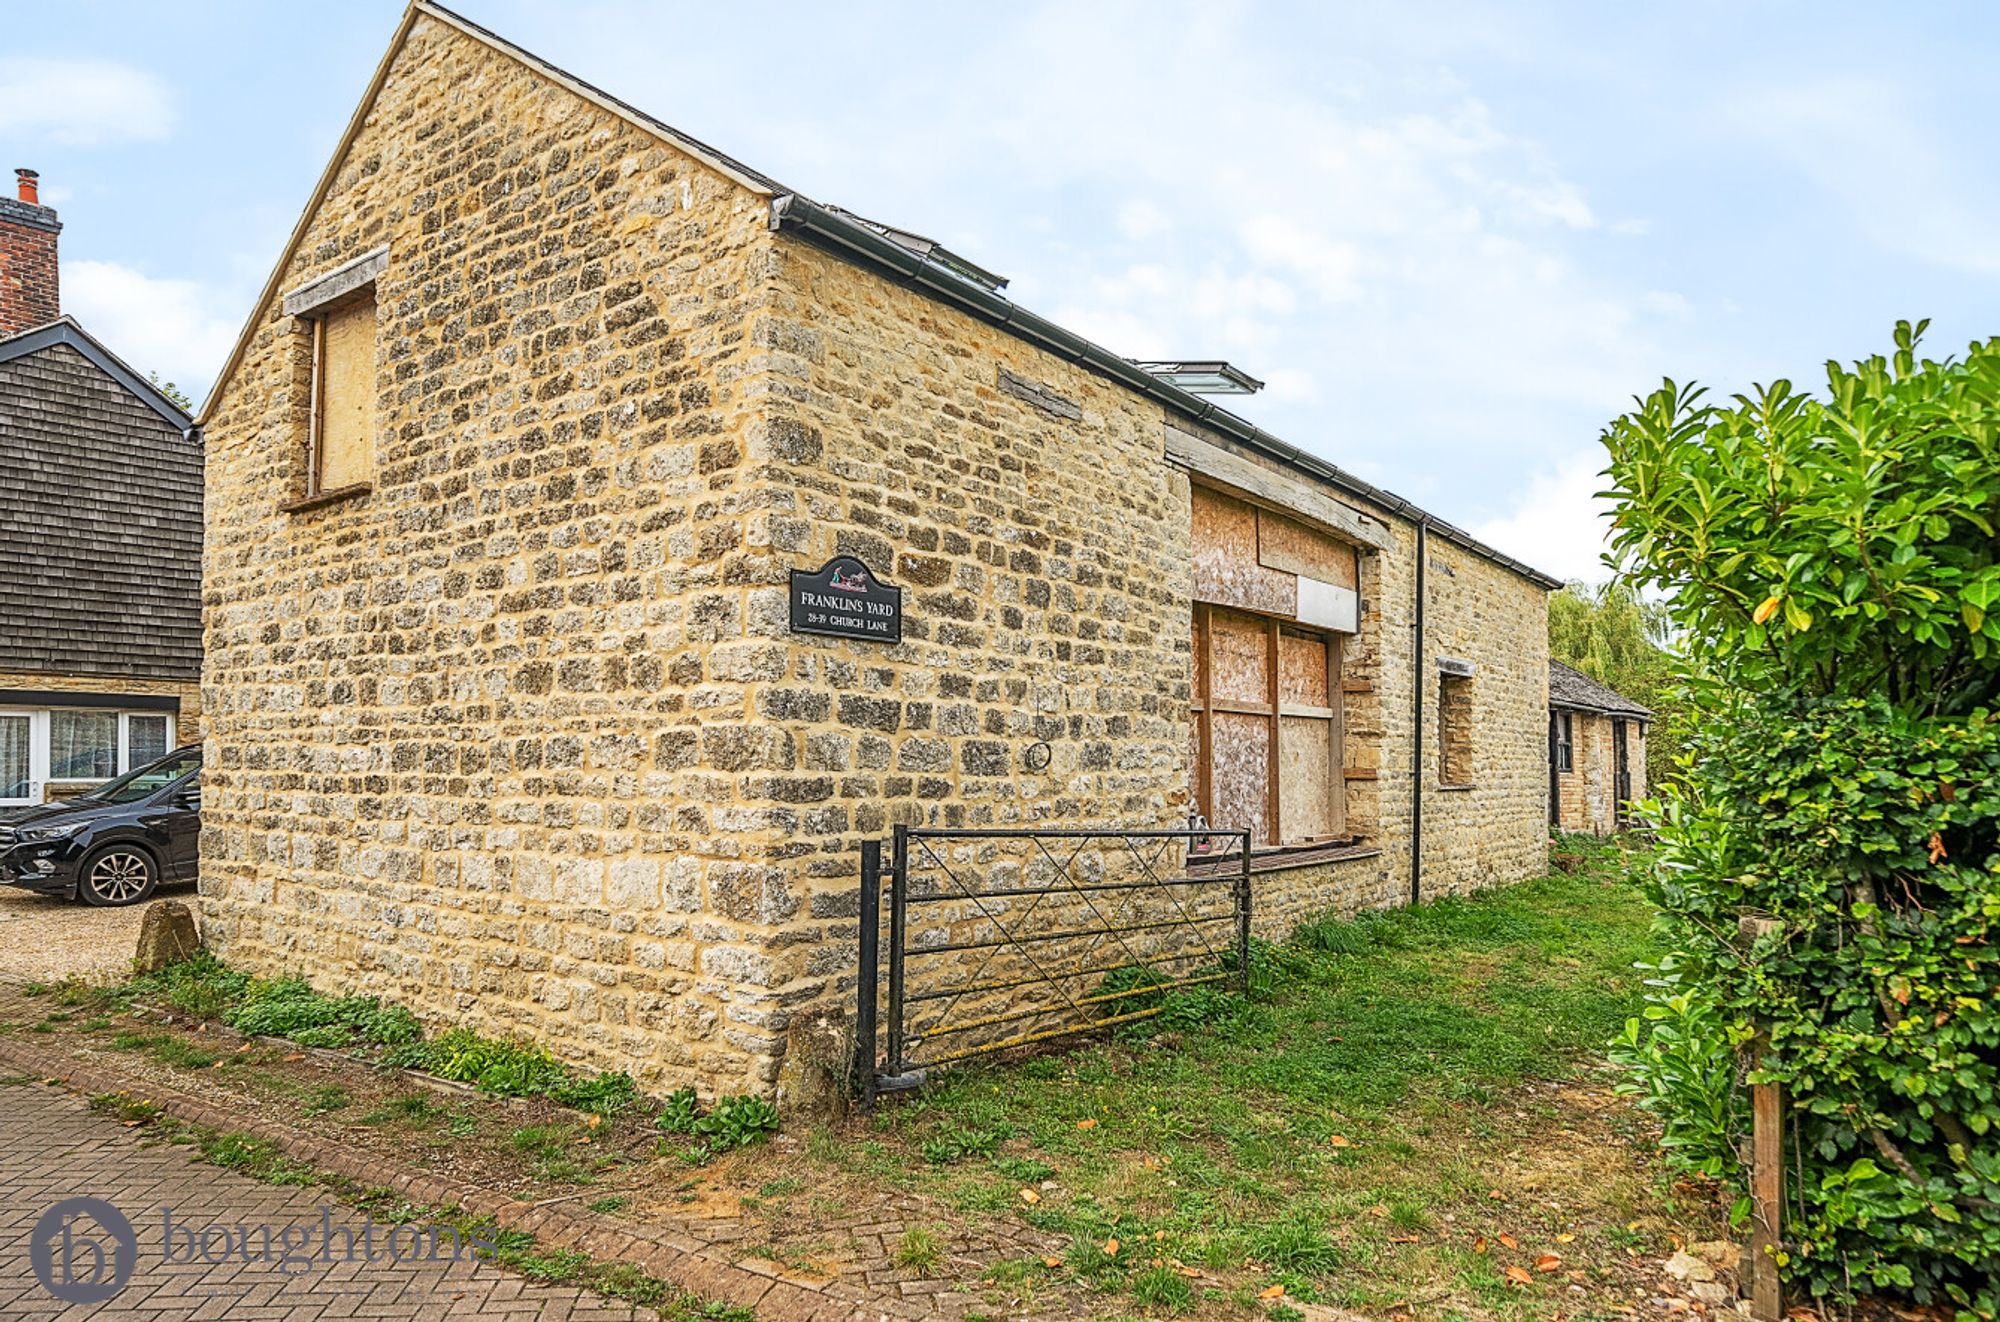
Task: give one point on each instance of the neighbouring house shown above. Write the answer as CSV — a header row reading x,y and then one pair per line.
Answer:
x,y
516,715
100,533
1597,753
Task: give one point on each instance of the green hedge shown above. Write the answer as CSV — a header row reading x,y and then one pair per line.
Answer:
x,y
1872,837
1831,565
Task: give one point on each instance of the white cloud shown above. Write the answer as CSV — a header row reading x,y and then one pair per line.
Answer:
x,y
82,102
1558,524
177,328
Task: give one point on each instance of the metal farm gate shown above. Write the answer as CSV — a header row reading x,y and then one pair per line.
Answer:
x,y
1000,938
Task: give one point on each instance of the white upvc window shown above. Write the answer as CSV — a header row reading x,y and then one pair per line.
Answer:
x,y
75,745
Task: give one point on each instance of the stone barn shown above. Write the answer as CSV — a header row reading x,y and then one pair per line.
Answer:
x,y
534,484
1597,753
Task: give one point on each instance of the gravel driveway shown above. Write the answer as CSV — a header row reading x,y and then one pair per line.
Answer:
x,y
47,940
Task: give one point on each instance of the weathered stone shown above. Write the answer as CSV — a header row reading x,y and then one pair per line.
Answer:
x,y
167,935
813,1082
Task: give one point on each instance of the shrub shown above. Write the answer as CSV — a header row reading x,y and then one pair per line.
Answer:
x,y
1833,568
738,1122
1681,1065
681,1111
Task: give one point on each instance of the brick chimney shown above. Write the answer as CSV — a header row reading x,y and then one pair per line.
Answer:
x,y
28,291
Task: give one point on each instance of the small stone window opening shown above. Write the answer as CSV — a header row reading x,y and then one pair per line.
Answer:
x,y
1455,730
1266,730
340,442
1565,742
336,311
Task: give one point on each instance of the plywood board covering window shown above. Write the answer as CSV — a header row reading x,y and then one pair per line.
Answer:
x,y
1266,732
344,448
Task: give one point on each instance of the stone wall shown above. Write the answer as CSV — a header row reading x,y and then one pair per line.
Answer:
x,y
1495,828
1044,560
475,734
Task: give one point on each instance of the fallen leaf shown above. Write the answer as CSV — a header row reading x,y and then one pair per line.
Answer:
x,y
1519,1276
1087,1124
1548,1262
133,1124
1340,1141
1496,1195
1192,1273
1479,1244
593,1121
584,1139
1406,1239
1030,1197
1159,1235
246,1048
1110,1248
1509,1242
1272,1292
1565,1239
296,1055
1051,1261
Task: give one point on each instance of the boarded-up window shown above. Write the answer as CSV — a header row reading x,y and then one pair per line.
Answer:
x,y
1266,736
343,442
1454,730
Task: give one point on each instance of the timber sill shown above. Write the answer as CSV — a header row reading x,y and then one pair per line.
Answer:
x,y
321,499
1277,858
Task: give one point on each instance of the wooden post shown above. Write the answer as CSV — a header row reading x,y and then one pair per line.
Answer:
x,y
1767,1167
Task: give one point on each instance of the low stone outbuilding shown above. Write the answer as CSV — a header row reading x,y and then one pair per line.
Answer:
x,y
517,716
1597,753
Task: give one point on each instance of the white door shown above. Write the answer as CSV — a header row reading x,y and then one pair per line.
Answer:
x,y
17,761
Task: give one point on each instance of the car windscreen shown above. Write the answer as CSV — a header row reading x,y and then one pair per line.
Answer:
x,y
146,781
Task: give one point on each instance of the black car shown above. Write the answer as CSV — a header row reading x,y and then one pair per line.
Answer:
x,y
115,844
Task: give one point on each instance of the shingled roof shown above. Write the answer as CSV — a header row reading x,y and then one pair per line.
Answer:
x,y
1569,687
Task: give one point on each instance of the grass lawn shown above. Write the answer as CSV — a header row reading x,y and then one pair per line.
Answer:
x,y
1414,1107
1411,1119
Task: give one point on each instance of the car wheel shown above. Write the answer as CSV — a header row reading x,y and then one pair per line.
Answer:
x,y
117,875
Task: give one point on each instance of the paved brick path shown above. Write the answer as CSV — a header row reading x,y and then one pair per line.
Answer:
x,y
52,1147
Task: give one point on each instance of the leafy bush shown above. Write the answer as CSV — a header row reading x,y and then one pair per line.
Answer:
x,y
734,1122
1682,1066
1833,567
737,1122
681,1111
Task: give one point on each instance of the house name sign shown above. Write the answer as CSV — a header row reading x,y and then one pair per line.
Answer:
x,y
844,599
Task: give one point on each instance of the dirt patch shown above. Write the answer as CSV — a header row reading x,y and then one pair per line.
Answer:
x,y
45,939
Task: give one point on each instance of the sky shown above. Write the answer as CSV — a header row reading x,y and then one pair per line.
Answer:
x,y
1454,238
